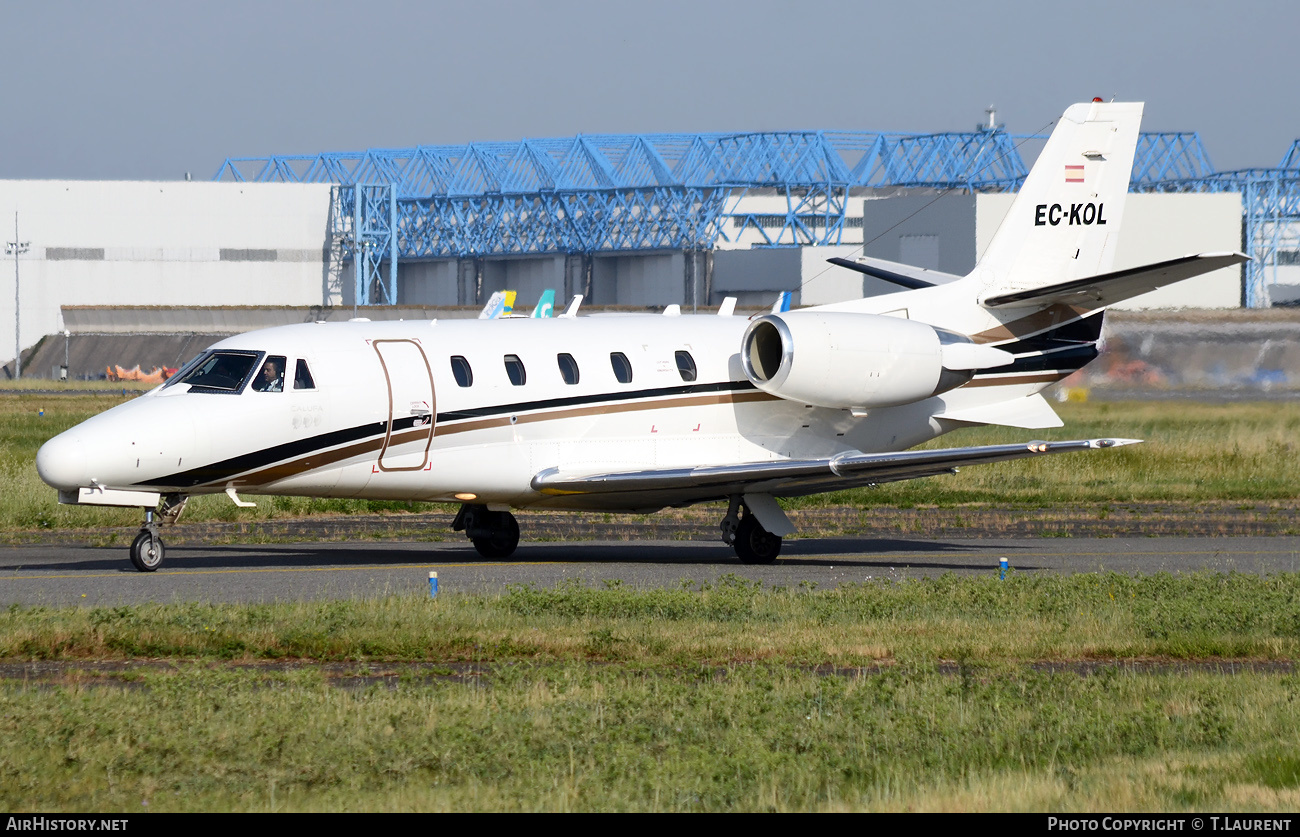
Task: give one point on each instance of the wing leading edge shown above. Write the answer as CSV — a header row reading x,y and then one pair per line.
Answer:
x,y
801,476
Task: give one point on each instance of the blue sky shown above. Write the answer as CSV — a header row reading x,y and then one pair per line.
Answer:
x,y
151,90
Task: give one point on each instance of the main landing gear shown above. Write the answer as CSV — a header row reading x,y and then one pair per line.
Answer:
x,y
753,543
494,534
147,549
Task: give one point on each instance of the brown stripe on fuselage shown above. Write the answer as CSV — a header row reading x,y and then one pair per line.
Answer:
x,y
1049,317
294,467
579,412
1006,380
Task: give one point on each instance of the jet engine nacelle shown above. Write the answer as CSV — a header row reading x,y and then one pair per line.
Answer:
x,y
858,360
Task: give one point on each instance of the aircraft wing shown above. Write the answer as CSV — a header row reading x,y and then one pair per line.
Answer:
x,y
791,477
1109,288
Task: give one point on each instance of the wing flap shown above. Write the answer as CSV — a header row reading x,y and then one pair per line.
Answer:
x,y
802,476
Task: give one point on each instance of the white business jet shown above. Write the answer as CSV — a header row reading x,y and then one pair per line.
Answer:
x,y
635,413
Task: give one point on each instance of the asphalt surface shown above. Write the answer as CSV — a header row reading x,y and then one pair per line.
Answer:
x,y
60,574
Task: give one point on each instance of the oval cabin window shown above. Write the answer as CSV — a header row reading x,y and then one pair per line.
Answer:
x,y
461,370
622,367
515,370
568,367
686,366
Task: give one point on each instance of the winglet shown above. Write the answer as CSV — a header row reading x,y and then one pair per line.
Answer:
x,y
728,307
782,303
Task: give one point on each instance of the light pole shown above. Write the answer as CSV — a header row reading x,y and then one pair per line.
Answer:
x,y
17,248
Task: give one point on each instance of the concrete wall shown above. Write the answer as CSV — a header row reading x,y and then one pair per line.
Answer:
x,y
1158,227
161,243
427,283
755,277
929,230
654,279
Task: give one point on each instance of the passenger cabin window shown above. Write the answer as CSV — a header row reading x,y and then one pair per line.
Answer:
x,y
515,369
302,376
222,372
568,367
461,371
622,368
686,366
270,378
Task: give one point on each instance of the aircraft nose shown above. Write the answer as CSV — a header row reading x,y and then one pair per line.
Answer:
x,y
61,462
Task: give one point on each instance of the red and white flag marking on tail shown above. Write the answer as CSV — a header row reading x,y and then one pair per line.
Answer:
x,y
1074,174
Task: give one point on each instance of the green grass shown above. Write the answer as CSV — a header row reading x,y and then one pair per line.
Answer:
x,y
1023,619
615,699
1192,452
619,738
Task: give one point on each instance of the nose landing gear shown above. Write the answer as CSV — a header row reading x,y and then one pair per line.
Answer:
x,y
147,550
494,534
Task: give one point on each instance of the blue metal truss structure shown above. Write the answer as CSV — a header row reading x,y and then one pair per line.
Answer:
x,y
626,193
616,193
1270,208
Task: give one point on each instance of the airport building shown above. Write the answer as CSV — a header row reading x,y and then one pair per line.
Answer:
x,y
631,221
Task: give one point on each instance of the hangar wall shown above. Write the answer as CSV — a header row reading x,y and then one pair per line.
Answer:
x,y
161,243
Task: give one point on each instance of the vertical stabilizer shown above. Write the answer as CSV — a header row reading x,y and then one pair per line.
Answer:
x,y
545,306
1064,223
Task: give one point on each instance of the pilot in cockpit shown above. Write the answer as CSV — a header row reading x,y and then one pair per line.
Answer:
x,y
271,378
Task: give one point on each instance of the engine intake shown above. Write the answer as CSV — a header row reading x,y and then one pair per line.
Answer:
x,y
850,360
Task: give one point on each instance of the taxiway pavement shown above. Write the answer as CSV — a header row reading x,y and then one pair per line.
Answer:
x,y
55,575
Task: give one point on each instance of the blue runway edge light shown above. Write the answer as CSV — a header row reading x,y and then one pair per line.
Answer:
x,y
1002,569
433,585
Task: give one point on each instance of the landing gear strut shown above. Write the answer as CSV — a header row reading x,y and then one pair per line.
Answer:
x,y
494,534
753,544
147,550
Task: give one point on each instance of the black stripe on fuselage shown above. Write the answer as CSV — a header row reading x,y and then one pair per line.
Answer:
x,y
227,468
600,398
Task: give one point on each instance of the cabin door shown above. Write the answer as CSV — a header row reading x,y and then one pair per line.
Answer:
x,y
411,408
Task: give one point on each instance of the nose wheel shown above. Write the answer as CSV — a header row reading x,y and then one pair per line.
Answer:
x,y
494,534
147,549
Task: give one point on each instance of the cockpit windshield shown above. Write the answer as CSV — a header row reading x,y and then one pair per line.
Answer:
x,y
225,372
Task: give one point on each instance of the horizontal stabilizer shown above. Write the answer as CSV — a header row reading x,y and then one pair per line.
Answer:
x,y
1032,413
1109,288
792,477
896,273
